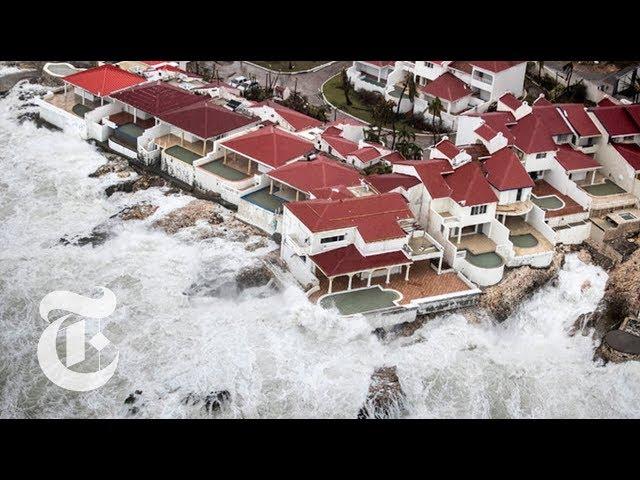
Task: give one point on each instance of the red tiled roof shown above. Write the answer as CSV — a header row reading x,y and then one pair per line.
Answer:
x,y
381,63
571,159
366,153
498,121
532,136
342,145
577,116
270,146
299,121
430,173
606,102
542,102
510,101
153,62
341,261
394,157
447,148
505,172
495,66
630,152
462,66
469,187
486,132
104,80
617,120
332,193
448,87
157,97
552,119
322,172
206,120
375,216
173,68
386,182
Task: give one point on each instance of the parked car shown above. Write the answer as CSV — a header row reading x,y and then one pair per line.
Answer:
x,y
235,82
247,84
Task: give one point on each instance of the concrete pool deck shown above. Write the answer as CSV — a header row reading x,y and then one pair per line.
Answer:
x,y
424,282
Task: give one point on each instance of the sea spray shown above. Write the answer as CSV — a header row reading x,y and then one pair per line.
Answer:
x,y
275,353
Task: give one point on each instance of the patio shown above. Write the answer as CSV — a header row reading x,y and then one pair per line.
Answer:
x,y
543,189
423,282
72,103
218,168
523,236
169,140
264,199
476,243
182,154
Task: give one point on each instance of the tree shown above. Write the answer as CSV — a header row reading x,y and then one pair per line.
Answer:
x,y
409,86
540,67
568,70
435,108
346,85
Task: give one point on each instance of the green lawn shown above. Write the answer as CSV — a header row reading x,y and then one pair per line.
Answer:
x,y
284,66
335,95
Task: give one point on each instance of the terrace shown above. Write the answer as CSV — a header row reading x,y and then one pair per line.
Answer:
x,y
169,140
423,283
72,103
554,203
526,239
263,199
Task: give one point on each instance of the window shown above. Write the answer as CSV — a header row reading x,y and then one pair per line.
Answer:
x,y
337,238
428,64
478,210
541,155
442,228
519,195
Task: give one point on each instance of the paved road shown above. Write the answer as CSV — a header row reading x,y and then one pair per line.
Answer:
x,y
307,83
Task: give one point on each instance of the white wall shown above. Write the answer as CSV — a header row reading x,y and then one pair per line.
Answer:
x,y
510,80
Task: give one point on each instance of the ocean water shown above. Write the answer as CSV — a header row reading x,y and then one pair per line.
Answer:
x,y
277,355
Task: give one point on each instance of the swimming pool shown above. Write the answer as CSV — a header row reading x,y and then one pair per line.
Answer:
x,y
360,301
550,202
485,260
181,153
524,241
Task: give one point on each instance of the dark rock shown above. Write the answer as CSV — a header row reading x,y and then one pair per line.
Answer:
x,y
385,398
98,236
130,186
130,399
214,401
517,284
134,410
138,392
137,212
254,276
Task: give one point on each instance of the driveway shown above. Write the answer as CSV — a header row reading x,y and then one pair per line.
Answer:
x,y
307,83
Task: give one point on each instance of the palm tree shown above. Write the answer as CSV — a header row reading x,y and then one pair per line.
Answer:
x,y
568,70
436,108
540,67
410,88
345,85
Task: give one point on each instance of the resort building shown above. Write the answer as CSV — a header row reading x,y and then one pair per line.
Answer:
x,y
457,208
285,117
365,250
463,87
85,100
237,169
556,144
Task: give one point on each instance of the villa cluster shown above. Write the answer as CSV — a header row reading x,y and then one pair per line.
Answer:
x,y
516,181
